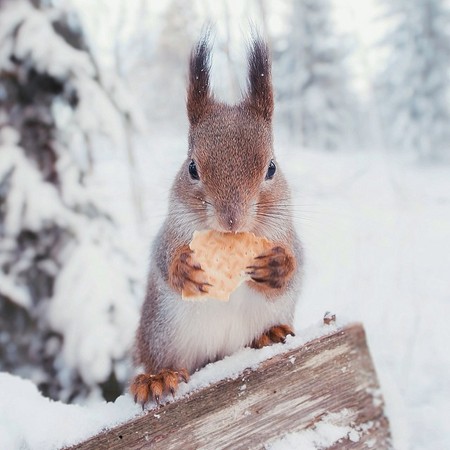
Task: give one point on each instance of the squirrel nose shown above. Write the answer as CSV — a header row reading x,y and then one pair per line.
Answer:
x,y
232,223
231,215
229,221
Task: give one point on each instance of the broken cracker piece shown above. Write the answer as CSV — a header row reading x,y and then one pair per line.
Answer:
x,y
225,257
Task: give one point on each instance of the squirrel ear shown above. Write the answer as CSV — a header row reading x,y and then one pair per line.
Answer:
x,y
260,92
198,93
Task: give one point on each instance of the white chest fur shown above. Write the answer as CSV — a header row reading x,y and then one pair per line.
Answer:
x,y
211,329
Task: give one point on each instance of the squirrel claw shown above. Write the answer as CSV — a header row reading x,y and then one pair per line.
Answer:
x,y
272,269
149,386
183,375
274,335
185,274
193,288
202,289
274,251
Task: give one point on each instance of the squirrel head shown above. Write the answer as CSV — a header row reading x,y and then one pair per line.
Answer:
x,y
233,179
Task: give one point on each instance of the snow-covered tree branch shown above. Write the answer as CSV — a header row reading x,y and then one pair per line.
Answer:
x,y
67,285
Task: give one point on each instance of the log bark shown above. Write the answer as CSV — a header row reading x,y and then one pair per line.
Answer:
x,y
330,379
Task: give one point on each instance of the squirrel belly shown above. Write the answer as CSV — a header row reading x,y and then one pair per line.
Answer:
x,y
174,333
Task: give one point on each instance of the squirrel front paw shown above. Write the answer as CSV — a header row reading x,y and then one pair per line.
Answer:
x,y
148,386
273,269
185,275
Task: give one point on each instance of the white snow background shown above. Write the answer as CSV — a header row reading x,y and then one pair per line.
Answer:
x,y
376,232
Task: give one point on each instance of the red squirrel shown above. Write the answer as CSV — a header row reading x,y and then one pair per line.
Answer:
x,y
229,182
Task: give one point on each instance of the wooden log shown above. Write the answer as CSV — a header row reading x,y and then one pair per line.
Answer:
x,y
328,380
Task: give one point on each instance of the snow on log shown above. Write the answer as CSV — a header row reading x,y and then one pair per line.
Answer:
x,y
325,391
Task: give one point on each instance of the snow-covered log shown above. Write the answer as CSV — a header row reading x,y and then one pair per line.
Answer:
x,y
325,392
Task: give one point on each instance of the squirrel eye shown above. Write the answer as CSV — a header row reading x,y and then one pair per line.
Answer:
x,y
193,170
271,170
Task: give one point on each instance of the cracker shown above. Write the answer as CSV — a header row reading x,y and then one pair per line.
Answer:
x,y
224,257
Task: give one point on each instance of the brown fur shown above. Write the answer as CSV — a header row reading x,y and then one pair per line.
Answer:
x,y
199,98
260,97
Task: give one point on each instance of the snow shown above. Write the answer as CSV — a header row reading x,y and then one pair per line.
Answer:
x,y
316,98
31,202
78,243
414,85
97,109
48,50
109,321
45,424
232,366
97,334
324,434
42,424
376,231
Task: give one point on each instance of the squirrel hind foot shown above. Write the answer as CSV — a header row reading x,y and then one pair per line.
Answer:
x,y
276,334
146,386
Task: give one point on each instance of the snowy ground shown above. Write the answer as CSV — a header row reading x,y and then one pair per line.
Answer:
x,y
376,232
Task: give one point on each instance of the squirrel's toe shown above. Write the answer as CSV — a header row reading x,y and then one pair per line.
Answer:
x,y
274,335
146,386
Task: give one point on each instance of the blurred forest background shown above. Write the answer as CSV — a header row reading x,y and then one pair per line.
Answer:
x,y
84,83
